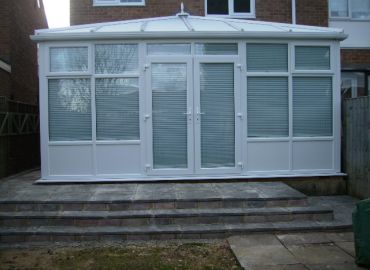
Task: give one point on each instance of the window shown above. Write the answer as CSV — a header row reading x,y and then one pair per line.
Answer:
x,y
216,48
117,109
312,106
267,95
169,49
268,107
69,109
244,8
354,9
68,59
119,2
353,84
312,58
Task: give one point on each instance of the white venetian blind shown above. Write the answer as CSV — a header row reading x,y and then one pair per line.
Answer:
x,y
116,58
312,106
68,59
216,48
312,57
169,105
69,109
218,118
117,109
267,57
267,103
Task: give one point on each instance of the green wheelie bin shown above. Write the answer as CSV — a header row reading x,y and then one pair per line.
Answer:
x,y
361,229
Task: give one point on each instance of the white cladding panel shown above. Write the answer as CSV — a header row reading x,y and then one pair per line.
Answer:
x,y
71,159
358,33
267,156
312,155
118,159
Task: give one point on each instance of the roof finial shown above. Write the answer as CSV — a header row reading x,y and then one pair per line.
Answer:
x,y
182,11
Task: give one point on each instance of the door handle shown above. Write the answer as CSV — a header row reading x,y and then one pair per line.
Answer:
x,y
199,112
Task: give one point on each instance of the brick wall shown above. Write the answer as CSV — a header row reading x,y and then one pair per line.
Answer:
x,y
26,16
312,12
4,83
355,58
83,12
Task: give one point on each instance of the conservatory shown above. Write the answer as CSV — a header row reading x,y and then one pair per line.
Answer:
x,y
188,97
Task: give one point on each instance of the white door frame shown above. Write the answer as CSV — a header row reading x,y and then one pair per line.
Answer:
x,y
149,120
238,114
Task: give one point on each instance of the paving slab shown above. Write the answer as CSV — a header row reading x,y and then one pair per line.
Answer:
x,y
303,238
278,267
320,254
342,266
348,247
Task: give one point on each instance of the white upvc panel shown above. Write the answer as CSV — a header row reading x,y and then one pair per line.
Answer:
x,y
358,32
71,159
313,155
118,159
268,156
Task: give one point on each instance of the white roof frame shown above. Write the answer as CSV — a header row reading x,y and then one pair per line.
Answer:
x,y
183,25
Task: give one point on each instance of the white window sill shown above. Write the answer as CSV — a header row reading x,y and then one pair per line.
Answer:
x,y
333,19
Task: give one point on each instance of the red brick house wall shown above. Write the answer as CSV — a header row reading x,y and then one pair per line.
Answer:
x,y
355,58
83,11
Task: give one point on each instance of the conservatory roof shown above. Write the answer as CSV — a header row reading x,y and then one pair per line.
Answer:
x,y
183,25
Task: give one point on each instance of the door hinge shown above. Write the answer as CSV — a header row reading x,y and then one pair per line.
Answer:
x,y
147,167
241,165
240,66
146,66
146,117
240,115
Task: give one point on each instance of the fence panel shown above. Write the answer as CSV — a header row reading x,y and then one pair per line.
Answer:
x,y
356,158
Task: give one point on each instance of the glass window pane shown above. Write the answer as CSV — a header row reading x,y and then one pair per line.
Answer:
x,y
218,7
339,8
68,59
361,9
267,57
242,6
312,57
312,106
117,109
169,105
268,108
216,48
169,49
116,58
217,125
69,109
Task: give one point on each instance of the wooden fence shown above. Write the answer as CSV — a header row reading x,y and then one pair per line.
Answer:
x,y
19,137
356,143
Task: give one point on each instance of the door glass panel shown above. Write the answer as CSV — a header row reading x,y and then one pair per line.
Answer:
x,y
169,104
217,115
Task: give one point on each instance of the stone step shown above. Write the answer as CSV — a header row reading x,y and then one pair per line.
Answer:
x,y
196,203
163,232
164,217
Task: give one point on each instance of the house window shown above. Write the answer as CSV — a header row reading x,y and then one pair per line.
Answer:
x,y
352,9
119,2
233,8
68,59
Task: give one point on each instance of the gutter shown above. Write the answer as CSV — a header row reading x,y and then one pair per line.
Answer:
x,y
5,66
41,37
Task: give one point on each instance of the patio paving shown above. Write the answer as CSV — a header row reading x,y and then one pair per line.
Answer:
x,y
306,251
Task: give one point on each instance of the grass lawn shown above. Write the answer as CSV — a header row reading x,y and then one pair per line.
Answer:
x,y
202,256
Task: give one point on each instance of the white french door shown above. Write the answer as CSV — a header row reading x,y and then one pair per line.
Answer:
x,y
217,115
192,124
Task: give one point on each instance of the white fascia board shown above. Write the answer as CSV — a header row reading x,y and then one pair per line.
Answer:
x,y
339,36
5,66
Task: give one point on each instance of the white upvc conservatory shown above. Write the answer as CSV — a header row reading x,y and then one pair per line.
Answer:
x,y
188,97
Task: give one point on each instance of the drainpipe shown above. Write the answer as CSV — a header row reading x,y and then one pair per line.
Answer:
x,y
294,16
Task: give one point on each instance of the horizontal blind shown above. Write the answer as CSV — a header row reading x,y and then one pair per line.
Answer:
x,y
312,106
268,110
69,109
117,109
169,49
116,58
216,48
169,105
69,59
218,120
312,57
267,57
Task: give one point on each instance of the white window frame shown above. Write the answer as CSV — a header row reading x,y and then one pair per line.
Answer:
x,y
107,3
232,14
349,17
